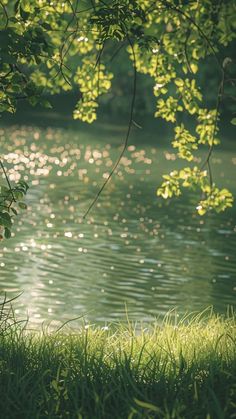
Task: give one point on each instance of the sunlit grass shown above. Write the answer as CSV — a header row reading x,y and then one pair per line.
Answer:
x,y
180,369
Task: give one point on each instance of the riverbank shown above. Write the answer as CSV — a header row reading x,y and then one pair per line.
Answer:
x,y
180,369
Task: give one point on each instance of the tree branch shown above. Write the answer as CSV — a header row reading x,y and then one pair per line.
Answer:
x,y
202,33
126,137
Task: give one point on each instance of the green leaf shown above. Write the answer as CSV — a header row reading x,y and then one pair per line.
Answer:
x,y
5,219
23,184
16,6
233,121
14,211
4,190
179,82
200,210
18,195
45,103
22,205
7,233
24,14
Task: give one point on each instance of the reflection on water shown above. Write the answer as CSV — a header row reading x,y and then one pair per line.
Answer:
x,y
133,249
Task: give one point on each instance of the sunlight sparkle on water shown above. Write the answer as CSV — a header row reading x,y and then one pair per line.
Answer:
x,y
132,247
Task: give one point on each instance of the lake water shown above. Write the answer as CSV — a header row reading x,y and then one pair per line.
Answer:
x,y
134,251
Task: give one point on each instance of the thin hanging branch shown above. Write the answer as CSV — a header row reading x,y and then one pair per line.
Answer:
x,y
168,5
7,179
201,32
186,51
218,102
127,133
99,55
116,52
98,65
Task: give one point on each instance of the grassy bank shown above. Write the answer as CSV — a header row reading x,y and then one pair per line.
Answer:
x,y
176,370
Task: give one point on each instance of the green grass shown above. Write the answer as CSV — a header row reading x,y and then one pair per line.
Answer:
x,y
184,369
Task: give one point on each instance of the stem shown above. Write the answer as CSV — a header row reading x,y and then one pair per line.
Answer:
x,y
219,97
7,179
126,137
202,33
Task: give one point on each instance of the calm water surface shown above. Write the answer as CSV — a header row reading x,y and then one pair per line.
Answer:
x,y
133,249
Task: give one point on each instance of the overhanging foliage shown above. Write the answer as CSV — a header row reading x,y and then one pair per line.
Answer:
x,y
51,46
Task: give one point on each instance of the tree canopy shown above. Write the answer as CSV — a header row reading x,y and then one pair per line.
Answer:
x,y
51,46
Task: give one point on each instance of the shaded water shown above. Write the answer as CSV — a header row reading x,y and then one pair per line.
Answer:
x,y
133,250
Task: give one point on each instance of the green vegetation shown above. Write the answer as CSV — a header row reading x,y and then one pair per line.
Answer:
x,y
183,368
179,369
50,47
11,200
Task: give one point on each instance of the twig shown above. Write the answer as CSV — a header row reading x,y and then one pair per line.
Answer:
x,y
202,33
219,98
186,51
7,74
85,10
7,179
98,64
116,52
98,60
126,137
72,34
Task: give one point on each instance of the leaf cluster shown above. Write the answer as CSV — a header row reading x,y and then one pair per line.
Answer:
x,y
11,200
